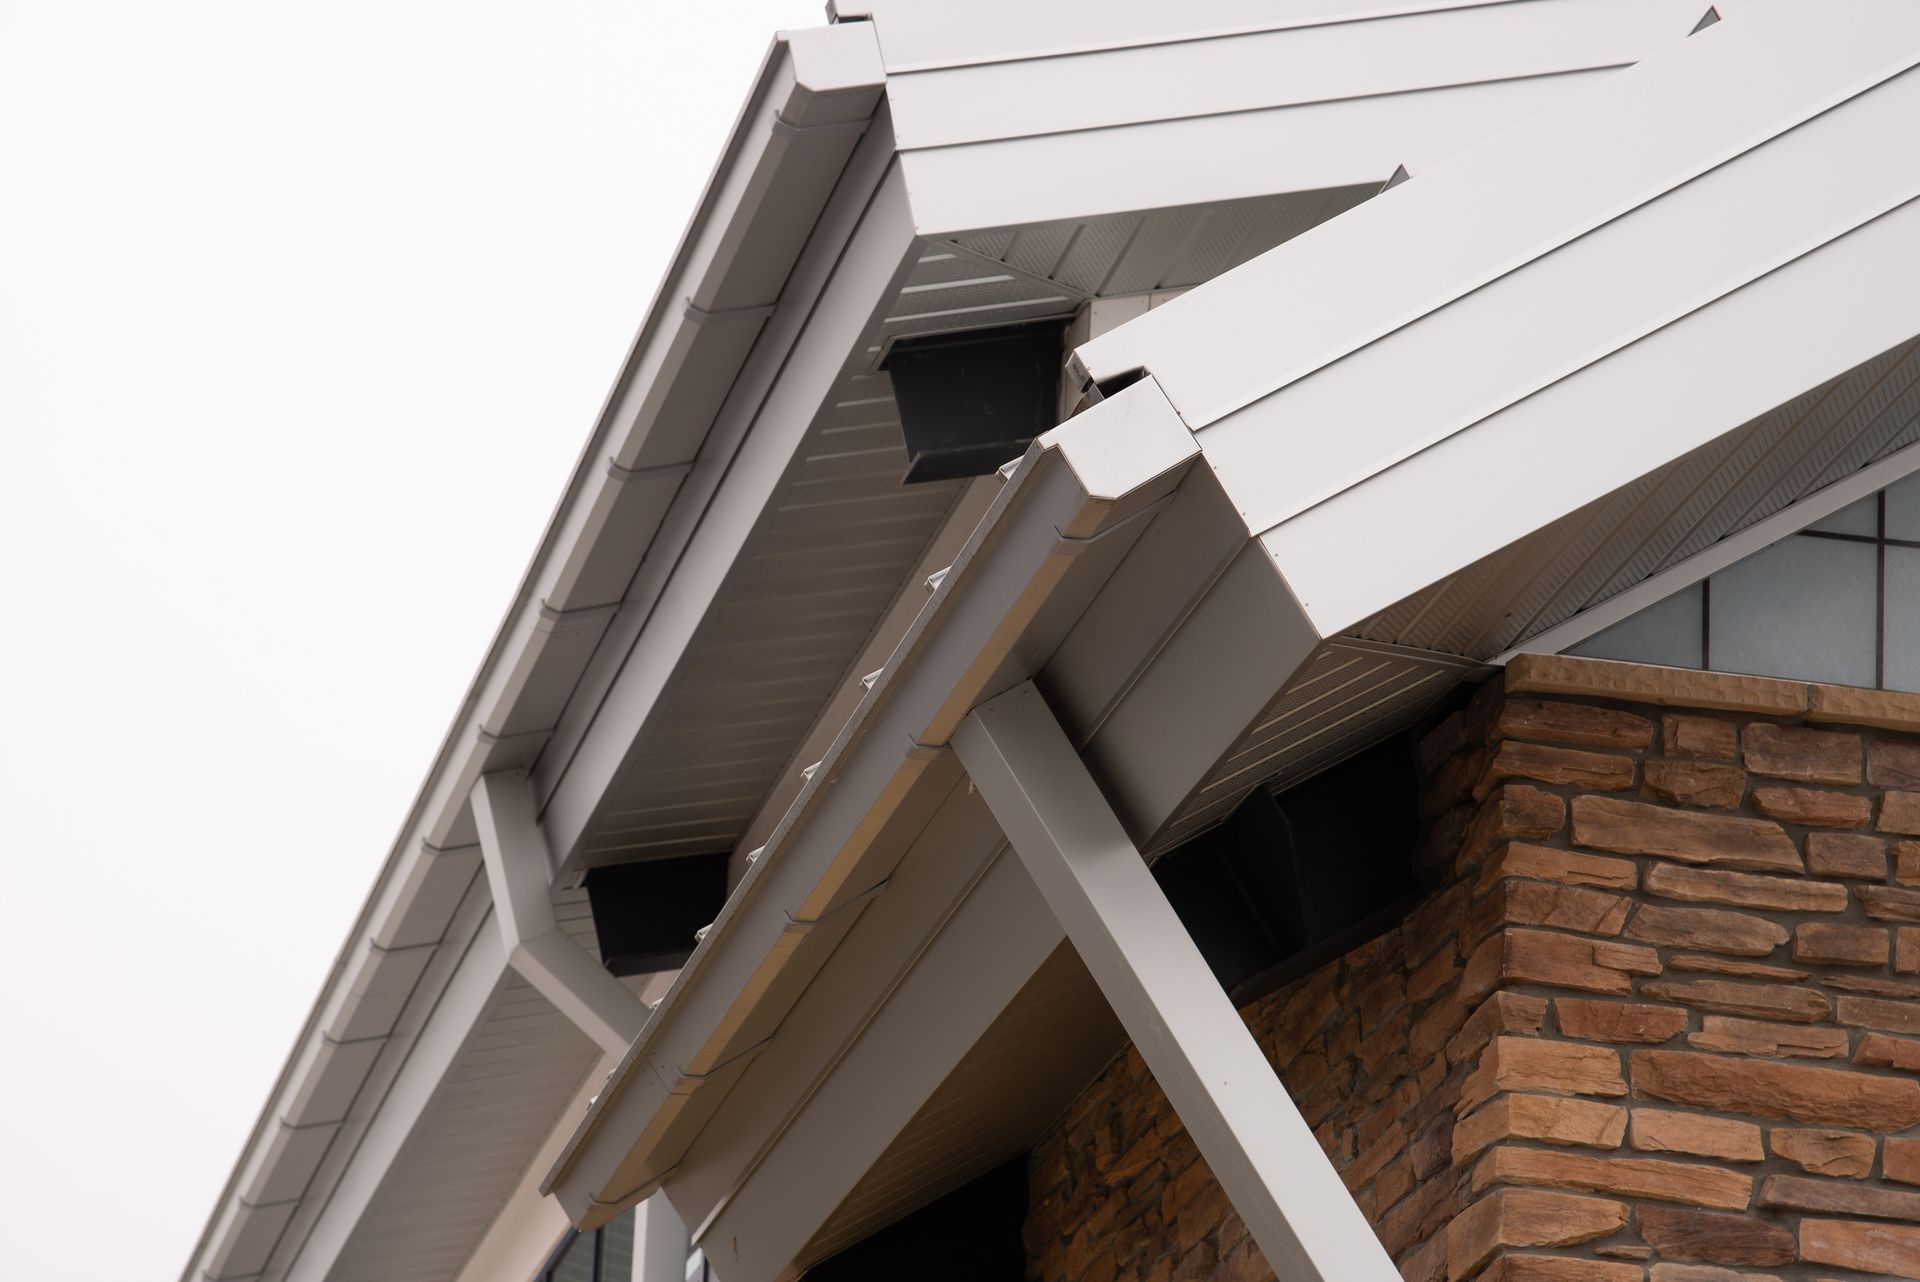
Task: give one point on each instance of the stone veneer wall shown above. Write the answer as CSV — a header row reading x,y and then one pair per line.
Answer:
x,y
1653,1026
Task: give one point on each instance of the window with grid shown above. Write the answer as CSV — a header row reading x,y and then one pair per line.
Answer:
x,y
1838,602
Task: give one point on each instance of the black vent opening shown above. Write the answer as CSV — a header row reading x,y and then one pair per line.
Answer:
x,y
1293,880
645,913
971,402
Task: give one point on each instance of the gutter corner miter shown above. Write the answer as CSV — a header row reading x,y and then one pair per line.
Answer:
x,y
520,875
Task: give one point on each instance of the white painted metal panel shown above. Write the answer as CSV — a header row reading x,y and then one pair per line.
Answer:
x,y
519,1068
989,949
1549,179
1282,68
1710,372
915,34
1201,1054
1611,287
1215,158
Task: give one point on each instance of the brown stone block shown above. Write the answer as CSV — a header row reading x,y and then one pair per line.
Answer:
x,y
1874,985
1534,903
1597,1021
1659,1130
1840,854
1815,807
1434,925
1703,1273
1559,1268
1831,1197
1852,705
1841,1154
1576,723
1439,845
1906,950
1758,1037
1563,767
1531,1064
1889,1250
1686,1182
1800,753
1499,1014
1796,1092
1900,1160
1875,1012
1889,903
1432,975
1762,1001
1441,742
1587,1123
1522,1218
1542,863
1685,735
1423,1212
1664,687
1568,961
1882,1051
1511,812
1694,783
1709,964
1637,828
1436,1025
1427,1262
1746,890
1717,1239
1893,763
1715,929
1452,784
1900,812
1906,862
1832,944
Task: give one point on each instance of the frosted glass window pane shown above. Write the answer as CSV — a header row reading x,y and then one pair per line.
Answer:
x,y
1903,509
1861,518
1803,608
616,1250
1903,619
1665,633
576,1265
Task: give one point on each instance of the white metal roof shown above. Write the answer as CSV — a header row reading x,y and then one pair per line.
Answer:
x,y
823,235
1377,405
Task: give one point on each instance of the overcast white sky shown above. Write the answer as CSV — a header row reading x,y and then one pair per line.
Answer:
x,y
305,312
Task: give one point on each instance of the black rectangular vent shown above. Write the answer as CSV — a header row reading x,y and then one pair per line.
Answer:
x,y
645,913
1293,879
970,402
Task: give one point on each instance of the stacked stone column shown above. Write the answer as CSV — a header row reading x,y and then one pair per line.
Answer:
x,y
1658,1022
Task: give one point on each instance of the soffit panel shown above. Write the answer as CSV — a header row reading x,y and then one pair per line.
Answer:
x,y
1048,1043
839,540
514,1075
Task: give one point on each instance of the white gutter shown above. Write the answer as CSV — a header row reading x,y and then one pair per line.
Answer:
x,y
811,99
982,632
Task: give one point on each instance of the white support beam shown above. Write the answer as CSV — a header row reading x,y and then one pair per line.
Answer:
x,y
1254,1139
520,873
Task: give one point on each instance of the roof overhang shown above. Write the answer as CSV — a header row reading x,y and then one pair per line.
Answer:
x,y
855,165
1281,501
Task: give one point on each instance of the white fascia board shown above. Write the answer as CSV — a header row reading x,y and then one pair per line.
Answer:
x,y
808,107
1541,184
980,186
916,36
839,837
1278,69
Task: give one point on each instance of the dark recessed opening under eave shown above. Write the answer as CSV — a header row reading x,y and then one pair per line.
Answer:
x,y
970,402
